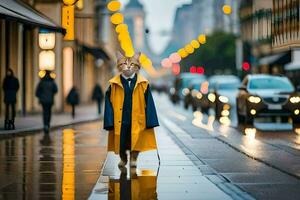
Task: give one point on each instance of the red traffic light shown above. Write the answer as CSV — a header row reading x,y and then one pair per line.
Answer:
x,y
200,70
246,66
193,69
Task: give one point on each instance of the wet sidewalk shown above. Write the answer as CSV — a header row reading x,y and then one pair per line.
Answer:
x,y
31,123
177,176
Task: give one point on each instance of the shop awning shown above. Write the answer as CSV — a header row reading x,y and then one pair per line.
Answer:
x,y
279,59
23,13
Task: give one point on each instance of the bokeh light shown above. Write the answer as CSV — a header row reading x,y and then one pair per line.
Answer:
x,y
114,6
195,44
227,9
175,58
202,39
117,18
167,63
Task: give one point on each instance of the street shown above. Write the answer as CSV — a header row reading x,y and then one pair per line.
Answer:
x,y
195,151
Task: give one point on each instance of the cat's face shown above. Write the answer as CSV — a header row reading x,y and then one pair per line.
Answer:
x,y
128,66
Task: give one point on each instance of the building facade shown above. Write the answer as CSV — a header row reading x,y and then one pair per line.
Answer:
x,y
82,62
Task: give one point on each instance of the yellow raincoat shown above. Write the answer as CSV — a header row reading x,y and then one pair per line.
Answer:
x,y
142,139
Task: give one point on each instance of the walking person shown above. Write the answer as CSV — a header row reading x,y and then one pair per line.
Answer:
x,y
130,114
10,87
98,96
45,92
73,99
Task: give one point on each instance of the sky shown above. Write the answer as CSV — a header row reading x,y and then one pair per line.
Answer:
x,y
159,17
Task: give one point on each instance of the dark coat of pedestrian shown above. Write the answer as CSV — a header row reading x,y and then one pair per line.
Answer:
x,y
98,96
45,92
73,99
10,87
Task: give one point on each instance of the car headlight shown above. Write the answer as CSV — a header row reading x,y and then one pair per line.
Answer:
x,y
223,99
295,99
185,91
172,90
199,96
253,99
212,97
194,93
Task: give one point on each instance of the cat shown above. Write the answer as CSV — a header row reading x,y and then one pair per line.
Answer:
x,y
128,65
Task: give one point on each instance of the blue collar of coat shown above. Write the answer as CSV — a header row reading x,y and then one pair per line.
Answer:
x,y
117,80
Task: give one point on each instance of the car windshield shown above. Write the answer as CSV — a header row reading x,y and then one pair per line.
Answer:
x,y
272,83
228,86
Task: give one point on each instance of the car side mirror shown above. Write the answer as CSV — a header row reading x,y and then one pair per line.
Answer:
x,y
243,88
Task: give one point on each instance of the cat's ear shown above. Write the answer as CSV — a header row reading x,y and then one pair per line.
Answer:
x,y
137,55
119,55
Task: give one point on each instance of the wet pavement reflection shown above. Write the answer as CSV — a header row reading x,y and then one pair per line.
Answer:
x,y
61,165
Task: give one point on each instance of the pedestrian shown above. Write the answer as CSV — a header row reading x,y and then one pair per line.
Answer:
x,y
73,99
130,114
10,87
98,96
45,92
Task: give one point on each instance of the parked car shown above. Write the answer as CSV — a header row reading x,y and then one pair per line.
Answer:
x,y
192,96
266,96
181,84
208,90
226,92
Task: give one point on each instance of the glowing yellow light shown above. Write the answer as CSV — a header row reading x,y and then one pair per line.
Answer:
x,y
297,130
226,107
295,99
199,95
68,69
69,2
47,60
211,97
53,75
42,73
225,121
182,53
195,44
225,113
254,99
117,18
189,49
252,111
223,99
296,112
47,40
114,6
121,28
227,9
79,4
202,39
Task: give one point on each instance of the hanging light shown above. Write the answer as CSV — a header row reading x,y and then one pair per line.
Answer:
x,y
117,18
47,60
114,6
46,40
